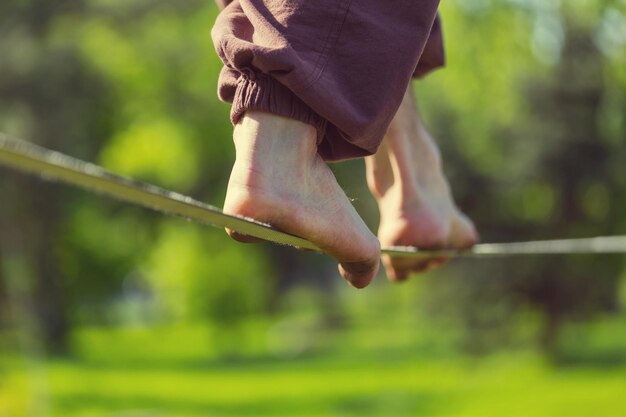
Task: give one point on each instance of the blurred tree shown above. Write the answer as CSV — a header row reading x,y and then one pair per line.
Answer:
x,y
529,113
570,184
50,97
77,77
580,165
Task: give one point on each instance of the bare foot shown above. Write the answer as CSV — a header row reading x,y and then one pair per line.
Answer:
x,y
413,195
278,178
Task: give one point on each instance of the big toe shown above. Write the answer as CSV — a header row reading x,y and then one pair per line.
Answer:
x,y
359,274
399,269
240,237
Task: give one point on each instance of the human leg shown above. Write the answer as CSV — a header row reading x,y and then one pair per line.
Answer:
x,y
327,63
279,178
328,69
413,195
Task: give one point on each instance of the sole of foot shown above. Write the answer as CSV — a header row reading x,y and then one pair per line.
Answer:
x,y
279,179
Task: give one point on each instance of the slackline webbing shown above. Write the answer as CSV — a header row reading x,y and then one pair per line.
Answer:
x,y
51,165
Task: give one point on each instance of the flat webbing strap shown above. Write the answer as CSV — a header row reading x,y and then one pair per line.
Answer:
x,y
51,165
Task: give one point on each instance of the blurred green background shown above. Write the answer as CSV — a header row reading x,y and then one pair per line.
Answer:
x,y
112,310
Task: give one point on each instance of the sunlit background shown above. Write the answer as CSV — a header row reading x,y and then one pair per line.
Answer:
x,y
112,310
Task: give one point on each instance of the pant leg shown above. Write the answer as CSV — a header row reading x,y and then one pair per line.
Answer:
x,y
341,65
433,56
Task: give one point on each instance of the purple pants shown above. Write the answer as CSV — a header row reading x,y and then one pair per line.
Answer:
x,y
340,65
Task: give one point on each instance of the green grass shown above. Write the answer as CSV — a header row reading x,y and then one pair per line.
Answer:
x,y
173,372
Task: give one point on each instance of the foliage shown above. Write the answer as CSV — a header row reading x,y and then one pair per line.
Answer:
x,y
529,113
194,276
351,374
526,124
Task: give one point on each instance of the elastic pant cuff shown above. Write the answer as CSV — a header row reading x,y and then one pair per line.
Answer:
x,y
263,93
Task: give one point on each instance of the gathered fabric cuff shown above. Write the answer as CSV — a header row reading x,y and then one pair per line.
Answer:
x,y
434,55
263,93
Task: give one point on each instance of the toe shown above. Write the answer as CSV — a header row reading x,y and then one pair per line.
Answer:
x,y
359,274
240,237
393,272
434,264
437,262
399,269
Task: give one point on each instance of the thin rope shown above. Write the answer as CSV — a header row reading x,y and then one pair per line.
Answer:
x,y
55,166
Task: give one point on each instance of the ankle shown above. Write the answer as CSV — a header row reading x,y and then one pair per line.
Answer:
x,y
265,137
378,173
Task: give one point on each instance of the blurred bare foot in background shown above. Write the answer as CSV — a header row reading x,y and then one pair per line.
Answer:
x,y
278,178
416,205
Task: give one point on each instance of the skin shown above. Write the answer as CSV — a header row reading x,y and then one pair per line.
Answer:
x,y
416,206
278,178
